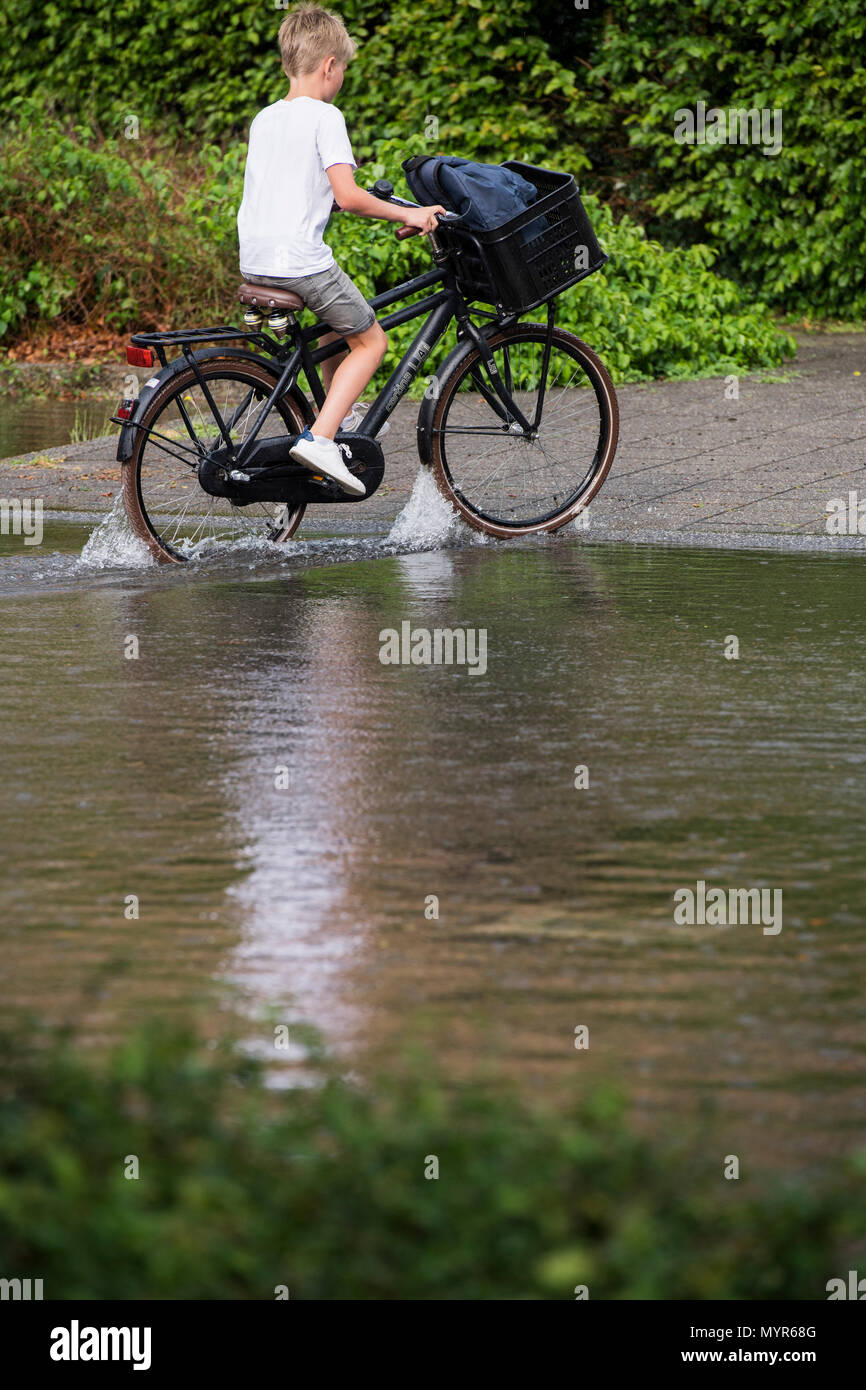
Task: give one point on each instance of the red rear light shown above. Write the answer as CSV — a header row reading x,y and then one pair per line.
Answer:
x,y
139,357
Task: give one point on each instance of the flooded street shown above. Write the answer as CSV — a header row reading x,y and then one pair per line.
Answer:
x,y
291,814
432,539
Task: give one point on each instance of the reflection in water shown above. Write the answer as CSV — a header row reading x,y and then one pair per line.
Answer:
x,y
34,421
299,751
161,777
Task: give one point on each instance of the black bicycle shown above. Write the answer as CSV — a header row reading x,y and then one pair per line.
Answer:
x,y
519,422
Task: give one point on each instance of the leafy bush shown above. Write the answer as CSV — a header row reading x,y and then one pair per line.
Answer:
x,y
204,67
94,233
322,1188
655,313
140,237
791,224
594,91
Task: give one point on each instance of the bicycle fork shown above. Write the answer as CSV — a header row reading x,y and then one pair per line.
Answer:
x,y
506,407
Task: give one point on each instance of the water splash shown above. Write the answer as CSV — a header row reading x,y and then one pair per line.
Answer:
x,y
428,521
114,545
252,548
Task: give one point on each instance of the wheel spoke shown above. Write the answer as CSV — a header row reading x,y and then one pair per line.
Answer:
x,y
516,481
169,505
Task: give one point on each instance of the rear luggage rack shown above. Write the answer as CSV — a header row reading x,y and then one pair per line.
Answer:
x,y
182,337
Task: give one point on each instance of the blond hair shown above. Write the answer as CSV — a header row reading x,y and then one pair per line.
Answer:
x,y
309,35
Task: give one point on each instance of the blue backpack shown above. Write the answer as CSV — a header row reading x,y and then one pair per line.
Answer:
x,y
485,195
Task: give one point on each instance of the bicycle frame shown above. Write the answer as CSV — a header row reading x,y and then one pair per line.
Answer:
x,y
441,307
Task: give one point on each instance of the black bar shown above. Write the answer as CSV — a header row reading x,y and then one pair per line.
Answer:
x,y
205,390
545,364
222,1339
411,311
172,337
288,371
308,362
488,362
421,282
414,311
323,353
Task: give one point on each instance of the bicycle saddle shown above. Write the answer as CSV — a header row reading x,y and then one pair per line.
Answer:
x,y
268,297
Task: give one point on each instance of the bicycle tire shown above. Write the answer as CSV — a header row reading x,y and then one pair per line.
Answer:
x,y
597,469
238,370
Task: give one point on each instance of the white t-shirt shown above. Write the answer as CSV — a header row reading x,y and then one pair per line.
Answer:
x,y
287,194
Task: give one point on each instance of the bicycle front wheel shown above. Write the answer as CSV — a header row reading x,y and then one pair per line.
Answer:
x,y
165,503
499,480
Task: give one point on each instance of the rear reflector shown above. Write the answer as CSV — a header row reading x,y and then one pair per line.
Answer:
x,y
139,357
126,409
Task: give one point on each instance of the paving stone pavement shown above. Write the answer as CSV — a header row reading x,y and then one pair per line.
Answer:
x,y
694,465
693,462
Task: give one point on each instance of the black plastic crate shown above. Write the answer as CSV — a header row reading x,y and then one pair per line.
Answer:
x,y
518,266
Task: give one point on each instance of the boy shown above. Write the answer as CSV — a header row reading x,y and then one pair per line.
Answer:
x,y
299,165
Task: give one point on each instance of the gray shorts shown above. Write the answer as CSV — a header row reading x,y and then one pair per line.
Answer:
x,y
330,294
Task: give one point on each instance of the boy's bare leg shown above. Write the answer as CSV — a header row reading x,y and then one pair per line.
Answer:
x,y
350,377
330,366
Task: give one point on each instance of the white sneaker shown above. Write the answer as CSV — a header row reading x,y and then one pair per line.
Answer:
x,y
354,420
322,455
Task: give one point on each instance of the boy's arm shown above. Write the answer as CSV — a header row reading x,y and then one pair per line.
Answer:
x,y
350,198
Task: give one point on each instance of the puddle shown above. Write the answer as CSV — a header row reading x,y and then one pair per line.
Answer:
x,y
400,853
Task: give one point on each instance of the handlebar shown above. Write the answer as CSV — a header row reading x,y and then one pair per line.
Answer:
x,y
384,189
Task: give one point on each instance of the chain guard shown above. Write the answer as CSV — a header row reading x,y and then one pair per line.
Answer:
x,y
275,477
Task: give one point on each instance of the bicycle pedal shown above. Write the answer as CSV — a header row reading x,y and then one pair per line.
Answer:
x,y
327,484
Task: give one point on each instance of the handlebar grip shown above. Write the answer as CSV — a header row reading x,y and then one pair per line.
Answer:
x,y
402,232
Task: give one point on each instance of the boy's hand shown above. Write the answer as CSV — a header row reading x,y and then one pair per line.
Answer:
x,y
421,219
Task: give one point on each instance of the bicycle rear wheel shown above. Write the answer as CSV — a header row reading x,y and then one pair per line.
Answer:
x,y
165,503
501,482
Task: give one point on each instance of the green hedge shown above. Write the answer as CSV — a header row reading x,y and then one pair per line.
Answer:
x,y
322,1188
790,225
594,91
137,236
204,67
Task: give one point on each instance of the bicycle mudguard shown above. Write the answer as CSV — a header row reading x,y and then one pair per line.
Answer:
x,y
126,439
275,477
